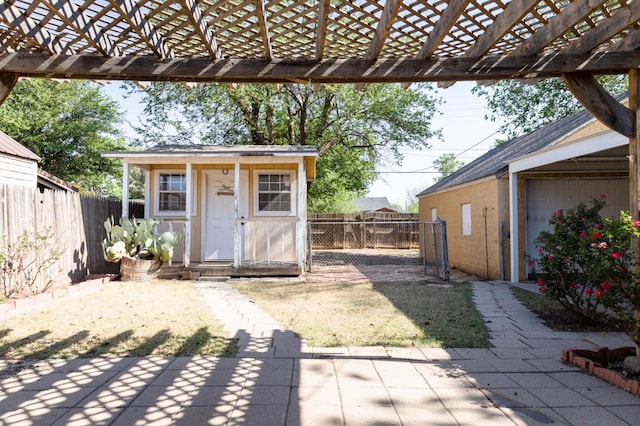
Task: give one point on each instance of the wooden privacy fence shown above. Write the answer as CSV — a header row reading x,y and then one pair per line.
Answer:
x,y
74,222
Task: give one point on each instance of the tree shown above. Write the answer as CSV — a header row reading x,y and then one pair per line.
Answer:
x,y
526,107
68,124
354,130
447,164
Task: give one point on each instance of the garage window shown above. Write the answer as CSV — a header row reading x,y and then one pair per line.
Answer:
x,y
466,219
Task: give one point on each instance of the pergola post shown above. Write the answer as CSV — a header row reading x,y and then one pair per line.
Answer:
x,y
186,260
634,168
125,190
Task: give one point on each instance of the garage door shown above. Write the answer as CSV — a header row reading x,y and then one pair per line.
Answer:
x,y
545,196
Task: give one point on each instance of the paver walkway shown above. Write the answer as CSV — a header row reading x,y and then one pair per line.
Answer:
x,y
276,379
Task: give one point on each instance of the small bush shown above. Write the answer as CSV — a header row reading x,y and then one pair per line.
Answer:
x,y
586,262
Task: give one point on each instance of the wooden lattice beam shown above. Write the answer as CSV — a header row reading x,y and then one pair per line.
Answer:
x,y
138,23
391,9
606,29
13,16
441,29
503,23
494,33
557,26
75,19
201,27
323,17
264,28
311,70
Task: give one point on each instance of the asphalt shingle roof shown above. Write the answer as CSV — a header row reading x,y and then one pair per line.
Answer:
x,y
496,161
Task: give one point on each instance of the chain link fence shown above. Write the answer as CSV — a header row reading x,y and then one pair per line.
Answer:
x,y
375,242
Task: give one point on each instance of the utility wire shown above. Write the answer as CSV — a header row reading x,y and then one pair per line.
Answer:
x,y
431,167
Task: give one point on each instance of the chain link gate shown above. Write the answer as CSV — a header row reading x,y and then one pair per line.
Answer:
x,y
379,243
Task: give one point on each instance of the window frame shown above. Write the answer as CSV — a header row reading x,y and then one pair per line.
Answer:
x,y
292,192
156,192
465,216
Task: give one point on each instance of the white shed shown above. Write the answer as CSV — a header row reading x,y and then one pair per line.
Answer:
x,y
18,165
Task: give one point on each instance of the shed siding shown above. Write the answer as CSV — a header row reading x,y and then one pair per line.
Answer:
x,y
479,253
18,171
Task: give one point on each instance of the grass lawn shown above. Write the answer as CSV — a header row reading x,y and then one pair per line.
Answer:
x,y
390,314
158,318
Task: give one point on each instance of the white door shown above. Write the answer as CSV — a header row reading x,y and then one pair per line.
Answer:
x,y
220,218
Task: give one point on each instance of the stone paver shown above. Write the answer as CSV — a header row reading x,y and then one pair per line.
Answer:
x,y
276,379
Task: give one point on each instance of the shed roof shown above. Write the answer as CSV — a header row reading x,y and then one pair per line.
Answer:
x,y
217,151
12,147
496,161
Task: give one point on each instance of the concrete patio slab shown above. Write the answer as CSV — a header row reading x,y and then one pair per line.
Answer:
x,y
276,379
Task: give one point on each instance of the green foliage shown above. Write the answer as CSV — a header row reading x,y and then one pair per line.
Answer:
x,y
447,164
137,238
526,107
586,263
354,130
68,125
26,263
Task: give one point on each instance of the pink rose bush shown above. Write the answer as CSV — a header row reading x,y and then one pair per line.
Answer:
x,y
586,263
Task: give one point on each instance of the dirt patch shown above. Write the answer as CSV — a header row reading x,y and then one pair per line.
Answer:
x,y
557,318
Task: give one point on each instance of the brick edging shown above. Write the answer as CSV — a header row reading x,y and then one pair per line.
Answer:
x,y
591,362
38,301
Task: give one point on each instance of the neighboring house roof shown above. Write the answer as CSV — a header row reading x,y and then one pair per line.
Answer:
x,y
12,147
496,161
373,204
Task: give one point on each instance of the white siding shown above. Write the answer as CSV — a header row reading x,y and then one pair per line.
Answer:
x,y
18,171
546,196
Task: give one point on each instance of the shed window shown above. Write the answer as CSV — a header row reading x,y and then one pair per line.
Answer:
x,y
171,195
275,193
466,219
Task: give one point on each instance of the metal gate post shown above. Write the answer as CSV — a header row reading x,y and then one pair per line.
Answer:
x,y
445,250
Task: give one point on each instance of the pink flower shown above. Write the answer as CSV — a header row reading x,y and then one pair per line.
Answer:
x,y
593,245
539,250
583,234
599,293
603,196
539,282
543,288
636,223
530,264
587,291
605,286
597,235
597,225
616,255
602,245
550,257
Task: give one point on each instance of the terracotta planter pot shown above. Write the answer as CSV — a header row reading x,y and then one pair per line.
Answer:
x,y
132,269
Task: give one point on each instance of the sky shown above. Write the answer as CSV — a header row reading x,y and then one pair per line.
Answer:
x,y
465,133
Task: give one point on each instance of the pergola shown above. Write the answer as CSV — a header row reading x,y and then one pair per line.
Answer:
x,y
333,41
